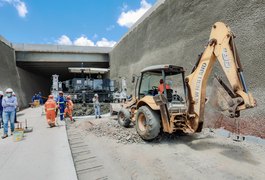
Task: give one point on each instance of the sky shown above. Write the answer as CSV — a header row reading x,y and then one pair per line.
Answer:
x,y
69,22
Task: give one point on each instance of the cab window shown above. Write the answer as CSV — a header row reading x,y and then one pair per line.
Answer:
x,y
150,82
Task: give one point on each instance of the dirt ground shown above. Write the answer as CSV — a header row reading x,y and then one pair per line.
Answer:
x,y
120,153
88,109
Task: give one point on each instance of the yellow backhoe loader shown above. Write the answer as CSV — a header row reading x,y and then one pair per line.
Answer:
x,y
166,99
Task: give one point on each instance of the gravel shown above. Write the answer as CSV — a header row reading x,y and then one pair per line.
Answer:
x,y
88,109
113,130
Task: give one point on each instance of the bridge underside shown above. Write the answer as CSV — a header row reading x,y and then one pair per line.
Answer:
x,y
47,69
46,60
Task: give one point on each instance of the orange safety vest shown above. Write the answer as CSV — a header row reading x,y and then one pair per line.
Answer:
x,y
50,108
50,105
161,88
70,104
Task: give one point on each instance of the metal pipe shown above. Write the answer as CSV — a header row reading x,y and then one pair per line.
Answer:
x,y
243,81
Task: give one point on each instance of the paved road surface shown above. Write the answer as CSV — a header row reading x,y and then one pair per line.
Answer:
x,y
199,156
44,154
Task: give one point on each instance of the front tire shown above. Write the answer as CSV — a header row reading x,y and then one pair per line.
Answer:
x,y
148,123
124,117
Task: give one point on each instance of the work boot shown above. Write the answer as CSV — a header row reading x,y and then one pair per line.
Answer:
x,y
4,136
96,117
99,116
12,133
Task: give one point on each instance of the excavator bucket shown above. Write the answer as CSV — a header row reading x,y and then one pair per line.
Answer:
x,y
223,99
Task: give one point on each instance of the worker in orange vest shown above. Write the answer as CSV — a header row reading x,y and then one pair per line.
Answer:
x,y
69,108
161,86
50,109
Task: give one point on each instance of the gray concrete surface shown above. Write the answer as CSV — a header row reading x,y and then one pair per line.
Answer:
x,y
199,156
24,83
176,32
42,154
61,48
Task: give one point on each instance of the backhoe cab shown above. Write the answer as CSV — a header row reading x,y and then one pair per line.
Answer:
x,y
165,97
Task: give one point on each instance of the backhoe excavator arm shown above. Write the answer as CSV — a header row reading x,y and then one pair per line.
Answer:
x,y
221,47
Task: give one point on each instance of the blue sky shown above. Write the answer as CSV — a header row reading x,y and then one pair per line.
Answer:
x,y
77,22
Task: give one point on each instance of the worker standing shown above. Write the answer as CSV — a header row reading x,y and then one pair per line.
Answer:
x,y
69,108
1,109
9,104
50,109
96,106
61,104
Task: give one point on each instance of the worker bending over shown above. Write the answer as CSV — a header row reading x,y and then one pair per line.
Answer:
x,y
161,86
68,112
50,109
61,104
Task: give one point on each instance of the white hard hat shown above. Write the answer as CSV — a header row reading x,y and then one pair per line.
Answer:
x,y
96,95
9,90
1,93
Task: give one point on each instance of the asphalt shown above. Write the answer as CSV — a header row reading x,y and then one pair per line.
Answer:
x,y
42,154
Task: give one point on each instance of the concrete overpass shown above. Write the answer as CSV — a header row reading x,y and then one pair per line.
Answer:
x,y
55,59
27,68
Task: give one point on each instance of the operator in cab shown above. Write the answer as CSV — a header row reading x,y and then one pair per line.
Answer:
x,y
161,86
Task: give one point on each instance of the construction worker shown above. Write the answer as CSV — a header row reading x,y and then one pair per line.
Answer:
x,y
1,109
161,86
61,104
34,98
9,104
50,109
40,98
69,108
96,106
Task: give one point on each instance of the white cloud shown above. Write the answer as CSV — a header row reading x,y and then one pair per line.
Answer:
x,y
105,43
127,19
64,40
83,41
19,5
21,8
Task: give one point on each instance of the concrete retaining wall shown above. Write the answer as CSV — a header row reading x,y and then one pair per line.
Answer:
x,y
22,82
176,33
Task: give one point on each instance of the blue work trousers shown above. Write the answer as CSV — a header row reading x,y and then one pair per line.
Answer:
x,y
9,116
97,110
61,113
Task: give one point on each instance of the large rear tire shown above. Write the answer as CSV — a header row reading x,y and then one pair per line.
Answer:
x,y
124,117
148,123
